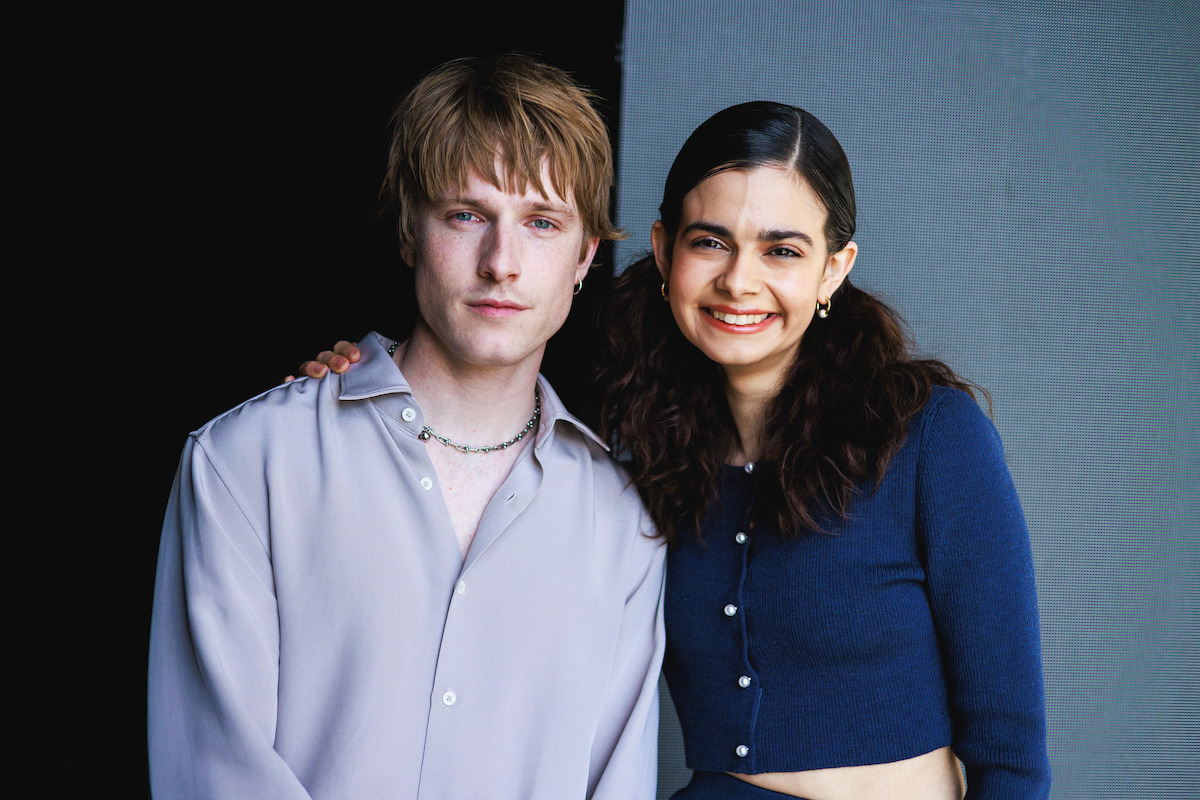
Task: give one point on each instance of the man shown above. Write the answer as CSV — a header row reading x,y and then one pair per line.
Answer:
x,y
424,578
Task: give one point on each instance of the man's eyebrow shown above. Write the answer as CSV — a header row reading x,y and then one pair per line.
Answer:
x,y
773,235
540,206
554,208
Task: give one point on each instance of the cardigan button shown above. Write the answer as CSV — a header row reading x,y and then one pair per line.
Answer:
x,y
741,538
742,751
730,610
744,681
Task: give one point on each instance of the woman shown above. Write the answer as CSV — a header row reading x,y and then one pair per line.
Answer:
x,y
850,597
850,607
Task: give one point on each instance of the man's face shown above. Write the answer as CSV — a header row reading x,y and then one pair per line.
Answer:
x,y
495,272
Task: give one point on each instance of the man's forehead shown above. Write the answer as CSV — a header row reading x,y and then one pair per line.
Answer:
x,y
510,186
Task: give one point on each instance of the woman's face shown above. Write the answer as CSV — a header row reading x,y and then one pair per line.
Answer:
x,y
747,267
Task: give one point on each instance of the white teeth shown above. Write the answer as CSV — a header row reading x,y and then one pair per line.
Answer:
x,y
738,319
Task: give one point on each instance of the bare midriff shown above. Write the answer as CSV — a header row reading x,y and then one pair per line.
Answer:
x,y
933,776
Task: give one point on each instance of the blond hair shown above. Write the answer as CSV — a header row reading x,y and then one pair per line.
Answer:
x,y
469,113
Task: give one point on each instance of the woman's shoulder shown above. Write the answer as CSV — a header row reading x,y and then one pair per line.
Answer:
x,y
952,415
952,403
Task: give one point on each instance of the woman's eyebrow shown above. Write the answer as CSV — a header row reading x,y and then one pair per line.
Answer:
x,y
763,236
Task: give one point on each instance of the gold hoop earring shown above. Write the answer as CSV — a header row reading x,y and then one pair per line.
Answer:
x,y
824,309
578,287
663,291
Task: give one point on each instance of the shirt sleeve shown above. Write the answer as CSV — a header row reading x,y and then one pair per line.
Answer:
x,y
984,600
624,762
214,649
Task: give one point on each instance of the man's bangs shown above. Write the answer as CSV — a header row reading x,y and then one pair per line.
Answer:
x,y
449,169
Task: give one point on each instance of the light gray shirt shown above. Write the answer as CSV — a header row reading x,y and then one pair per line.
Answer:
x,y
317,634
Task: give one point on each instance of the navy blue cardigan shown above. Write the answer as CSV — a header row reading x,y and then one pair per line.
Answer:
x,y
910,626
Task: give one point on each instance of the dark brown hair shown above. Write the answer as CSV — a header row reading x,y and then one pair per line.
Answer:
x,y
849,395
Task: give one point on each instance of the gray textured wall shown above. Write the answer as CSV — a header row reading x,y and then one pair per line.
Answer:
x,y
1027,183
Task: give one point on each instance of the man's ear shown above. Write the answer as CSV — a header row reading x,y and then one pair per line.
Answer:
x,y
662,245
585,263
836,269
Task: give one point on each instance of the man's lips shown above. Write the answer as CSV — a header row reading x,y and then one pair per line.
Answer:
x,y
493,307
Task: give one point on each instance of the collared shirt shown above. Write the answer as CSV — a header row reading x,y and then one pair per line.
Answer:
x,y
316,632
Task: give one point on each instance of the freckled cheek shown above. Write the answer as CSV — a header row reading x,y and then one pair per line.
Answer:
x,y
441,264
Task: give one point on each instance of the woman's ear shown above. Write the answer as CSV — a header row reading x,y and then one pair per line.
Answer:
x,y
837,268
662,244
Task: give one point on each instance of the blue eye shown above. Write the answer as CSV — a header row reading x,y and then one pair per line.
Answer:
x,y
543,224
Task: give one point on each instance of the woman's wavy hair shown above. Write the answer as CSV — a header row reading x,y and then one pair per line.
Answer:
x,y
850,393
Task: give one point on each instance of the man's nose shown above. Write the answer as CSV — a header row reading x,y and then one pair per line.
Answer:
x,y
500,255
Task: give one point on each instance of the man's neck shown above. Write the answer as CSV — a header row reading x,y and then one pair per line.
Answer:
x,y
472,405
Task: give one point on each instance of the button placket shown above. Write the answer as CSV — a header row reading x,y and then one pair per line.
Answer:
x,y
748,690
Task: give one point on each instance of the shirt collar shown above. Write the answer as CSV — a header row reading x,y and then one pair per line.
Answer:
x,y
376,374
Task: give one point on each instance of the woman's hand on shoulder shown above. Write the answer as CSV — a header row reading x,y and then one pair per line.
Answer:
x,y
338,359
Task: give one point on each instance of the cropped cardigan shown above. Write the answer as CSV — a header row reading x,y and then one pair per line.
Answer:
x,y
908,626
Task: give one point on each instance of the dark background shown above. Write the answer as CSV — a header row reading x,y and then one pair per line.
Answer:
x,y
191,214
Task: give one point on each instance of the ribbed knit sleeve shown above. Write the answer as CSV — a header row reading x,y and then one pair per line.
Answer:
x,y
983,597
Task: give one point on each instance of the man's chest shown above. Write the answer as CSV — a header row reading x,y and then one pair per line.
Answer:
x,y
469,482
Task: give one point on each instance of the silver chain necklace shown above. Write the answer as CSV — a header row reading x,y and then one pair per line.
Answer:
x,y
429,433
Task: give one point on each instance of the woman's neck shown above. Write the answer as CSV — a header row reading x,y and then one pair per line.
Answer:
x,y
749,402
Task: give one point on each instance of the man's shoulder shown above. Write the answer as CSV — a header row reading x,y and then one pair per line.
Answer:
x,y
577,442
279,411
284,409
607,485
610,472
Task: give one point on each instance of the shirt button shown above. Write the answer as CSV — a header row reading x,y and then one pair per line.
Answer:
x,y
730,610
744,681
742,751
449,698
460,587
426,484
408,415
741,538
